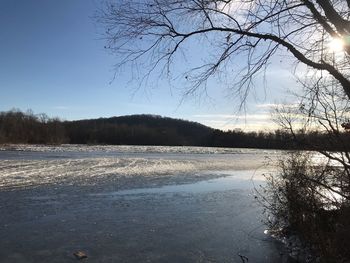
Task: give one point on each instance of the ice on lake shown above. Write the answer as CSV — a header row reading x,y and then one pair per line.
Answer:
x,y
32,165
133,204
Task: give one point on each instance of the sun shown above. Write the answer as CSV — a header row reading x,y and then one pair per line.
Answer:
x,y
336,45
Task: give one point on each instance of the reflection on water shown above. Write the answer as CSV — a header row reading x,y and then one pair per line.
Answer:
x,y
233,180
213,220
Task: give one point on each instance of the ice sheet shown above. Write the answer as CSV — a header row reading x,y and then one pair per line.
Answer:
x,y
22,166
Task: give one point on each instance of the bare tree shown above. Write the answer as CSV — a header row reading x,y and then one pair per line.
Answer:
x,y
324,110
153,34
314,34
311,191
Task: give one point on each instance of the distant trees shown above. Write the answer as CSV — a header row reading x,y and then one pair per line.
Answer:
x,y
26,127
138,130
19,127
156,130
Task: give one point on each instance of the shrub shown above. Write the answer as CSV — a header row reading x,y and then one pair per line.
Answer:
x,y
310,199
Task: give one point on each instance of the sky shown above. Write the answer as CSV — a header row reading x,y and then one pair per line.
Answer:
x,y
53,61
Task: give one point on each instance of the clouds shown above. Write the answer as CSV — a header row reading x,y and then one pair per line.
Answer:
x,y
262,118
233,116
247,122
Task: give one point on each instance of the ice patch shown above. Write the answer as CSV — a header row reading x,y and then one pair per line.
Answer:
x,y
132,149
30,169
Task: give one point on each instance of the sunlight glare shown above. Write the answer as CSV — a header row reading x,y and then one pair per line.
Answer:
x,y
336,45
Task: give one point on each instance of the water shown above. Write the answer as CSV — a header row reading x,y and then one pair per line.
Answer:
x,y
37,165
233,180
139,204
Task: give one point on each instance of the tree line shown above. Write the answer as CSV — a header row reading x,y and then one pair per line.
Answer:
x,y
26,127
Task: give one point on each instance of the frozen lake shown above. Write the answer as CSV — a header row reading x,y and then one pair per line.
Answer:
x,y
23,166
133,204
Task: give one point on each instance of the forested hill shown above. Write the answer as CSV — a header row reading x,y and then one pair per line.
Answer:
x,y
138,130
20,127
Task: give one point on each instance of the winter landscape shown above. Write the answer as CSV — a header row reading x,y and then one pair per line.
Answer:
x,y
175,131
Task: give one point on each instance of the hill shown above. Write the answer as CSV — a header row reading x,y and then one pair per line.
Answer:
x,y
138,130
20,127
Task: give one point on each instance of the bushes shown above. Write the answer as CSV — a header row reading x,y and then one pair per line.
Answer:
x,y
309,199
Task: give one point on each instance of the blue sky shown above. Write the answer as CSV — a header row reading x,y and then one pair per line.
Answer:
x,y
53,61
